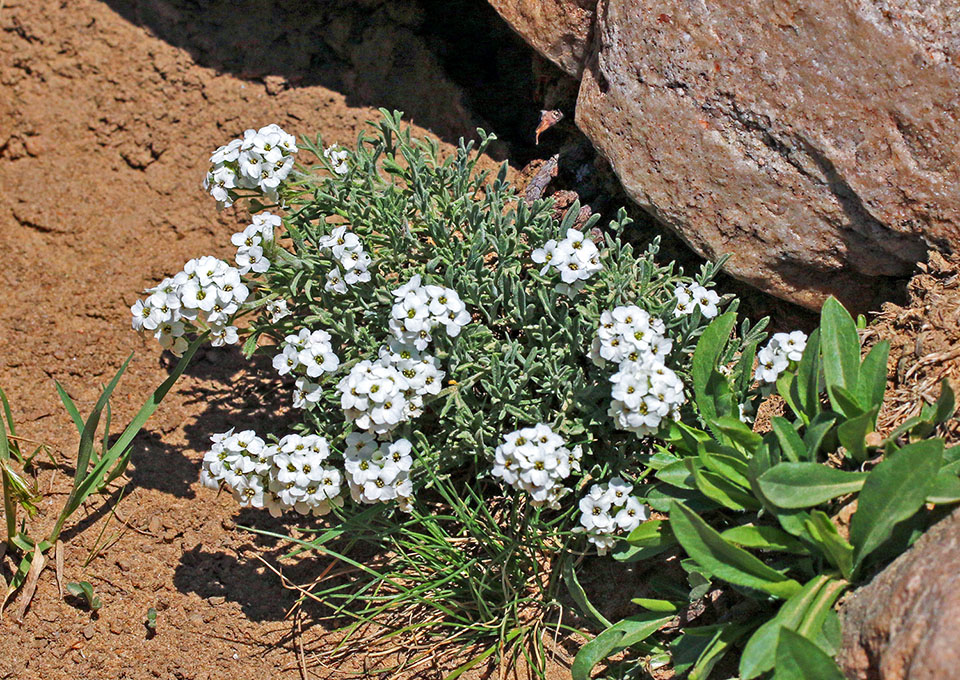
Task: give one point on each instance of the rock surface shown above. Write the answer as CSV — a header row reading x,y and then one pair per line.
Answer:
x,y
814,141
558,29
906,623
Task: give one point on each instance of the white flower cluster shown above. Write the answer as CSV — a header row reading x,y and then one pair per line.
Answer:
x,y
609,509
419,309
206,294
295,473
777,355
251,241
379,395
260,160
694,296
644,395
629,333
352,260
576,257
645,391
378,471
535,460
337,156
308,354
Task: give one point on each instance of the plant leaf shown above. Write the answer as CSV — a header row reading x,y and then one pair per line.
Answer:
x,y
790,442
764,538
723,559
945,489
835,548
619,636
892,493
800,659
806,610
705,359
873,376
803,485
852,433
840,348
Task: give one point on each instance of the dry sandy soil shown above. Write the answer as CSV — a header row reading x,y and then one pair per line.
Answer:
x,y
108,111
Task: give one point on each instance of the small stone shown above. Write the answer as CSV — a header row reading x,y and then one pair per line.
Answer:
x,y
89,630
154,525
216,600
34,146
275,84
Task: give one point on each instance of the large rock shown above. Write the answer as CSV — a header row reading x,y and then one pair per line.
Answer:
x,y
815,141
905,625
558,29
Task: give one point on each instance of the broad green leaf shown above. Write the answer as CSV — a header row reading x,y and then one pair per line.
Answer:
x,y
800,659
651,533
787,389
817,431
840,348
834,547
945,405
853,433
844,401
945,489
806,612
764,538
725,636
730,465
803,485
722,558
807,383
677,474
619,636
892,493
738,432
723,491
704,365
790,442
873,376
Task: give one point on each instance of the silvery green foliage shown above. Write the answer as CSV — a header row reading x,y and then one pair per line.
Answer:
x,y
406,295
455,289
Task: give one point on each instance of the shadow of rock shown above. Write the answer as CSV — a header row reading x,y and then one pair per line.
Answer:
x,y
450,65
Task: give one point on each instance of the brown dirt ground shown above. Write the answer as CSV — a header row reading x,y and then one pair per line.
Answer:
x,y
107,113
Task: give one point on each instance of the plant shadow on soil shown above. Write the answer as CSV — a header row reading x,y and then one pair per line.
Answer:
x,y
242,393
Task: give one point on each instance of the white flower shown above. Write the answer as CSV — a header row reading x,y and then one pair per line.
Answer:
x,y
419,309
261,160
535,460
252,259
378,472
277,309
338,159
306,393
782,350
609,510
576,257
373,396
644,395
791,344
707,300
